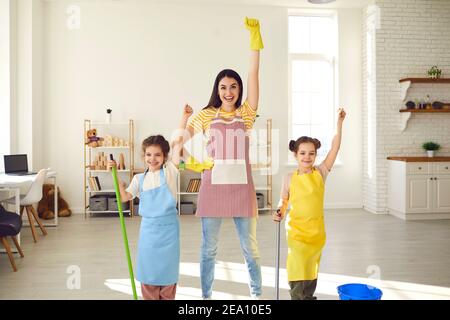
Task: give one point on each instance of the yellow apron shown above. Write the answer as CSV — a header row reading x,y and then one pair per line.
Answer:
x,y
304,225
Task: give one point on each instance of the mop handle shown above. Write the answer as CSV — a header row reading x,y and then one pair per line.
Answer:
x,y
283,208
277,267
124,230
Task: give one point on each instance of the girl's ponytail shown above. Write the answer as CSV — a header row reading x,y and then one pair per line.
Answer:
x,y
292,145
317,143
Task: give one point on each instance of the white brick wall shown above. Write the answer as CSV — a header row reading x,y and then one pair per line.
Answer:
x,y
414,35
369,181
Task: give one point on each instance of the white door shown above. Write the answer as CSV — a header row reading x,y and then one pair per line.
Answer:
x,y
442,193
419,193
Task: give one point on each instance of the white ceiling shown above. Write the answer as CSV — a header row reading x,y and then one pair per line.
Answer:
x,y
294,3
278,3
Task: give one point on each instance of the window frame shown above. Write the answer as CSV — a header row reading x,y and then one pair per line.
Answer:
x,y
332,59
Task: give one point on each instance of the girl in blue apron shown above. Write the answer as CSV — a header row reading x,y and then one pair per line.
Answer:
x,y
158,257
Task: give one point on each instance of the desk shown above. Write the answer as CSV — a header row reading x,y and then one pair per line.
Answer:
x,y
13,183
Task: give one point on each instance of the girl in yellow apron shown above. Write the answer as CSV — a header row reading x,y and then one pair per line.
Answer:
x,y
305,228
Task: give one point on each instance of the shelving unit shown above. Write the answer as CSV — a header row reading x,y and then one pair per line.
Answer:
x,y
183,179
134,172
263,169
405,86
104,176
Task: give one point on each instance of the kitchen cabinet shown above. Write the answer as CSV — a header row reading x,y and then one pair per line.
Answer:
x,y
419,188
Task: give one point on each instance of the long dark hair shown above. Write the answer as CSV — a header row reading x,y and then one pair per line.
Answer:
x,y
215,101
294,144
157,140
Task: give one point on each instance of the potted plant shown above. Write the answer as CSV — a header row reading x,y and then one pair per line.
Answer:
x,y
430,147
434,72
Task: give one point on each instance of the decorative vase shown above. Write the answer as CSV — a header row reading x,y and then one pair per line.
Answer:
x,y
430,153
108,118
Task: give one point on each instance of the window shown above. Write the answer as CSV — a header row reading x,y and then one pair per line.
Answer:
x,y
312,77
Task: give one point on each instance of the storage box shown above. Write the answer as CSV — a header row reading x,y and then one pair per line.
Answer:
x,y
260,199
112,204
136,206
187,208
98,203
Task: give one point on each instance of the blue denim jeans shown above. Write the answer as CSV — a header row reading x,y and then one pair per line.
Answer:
x,y
246,229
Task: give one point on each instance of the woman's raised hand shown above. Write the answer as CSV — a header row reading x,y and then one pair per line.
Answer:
x,y
255,36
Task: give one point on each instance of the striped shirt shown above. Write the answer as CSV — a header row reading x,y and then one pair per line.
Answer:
x,y
202,121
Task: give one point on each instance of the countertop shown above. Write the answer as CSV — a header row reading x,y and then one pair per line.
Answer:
x,y
420,159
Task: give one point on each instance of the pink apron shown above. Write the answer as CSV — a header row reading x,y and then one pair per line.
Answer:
x,y
227,189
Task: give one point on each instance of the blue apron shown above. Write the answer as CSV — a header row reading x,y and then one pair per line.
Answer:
x,y
158,258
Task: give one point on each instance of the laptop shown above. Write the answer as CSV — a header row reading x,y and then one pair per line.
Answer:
x,y
17,164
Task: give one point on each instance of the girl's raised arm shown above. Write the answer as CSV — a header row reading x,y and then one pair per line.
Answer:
x,y
179,140
336,144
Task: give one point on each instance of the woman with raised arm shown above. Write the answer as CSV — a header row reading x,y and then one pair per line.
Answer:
x,y
227,189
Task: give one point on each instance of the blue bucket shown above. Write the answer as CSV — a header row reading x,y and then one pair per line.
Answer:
x,y
357,291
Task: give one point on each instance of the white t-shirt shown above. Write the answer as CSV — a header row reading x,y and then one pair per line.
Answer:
x,y
151,180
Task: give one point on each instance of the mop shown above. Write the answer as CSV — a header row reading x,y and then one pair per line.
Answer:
x,y
277,264
124,230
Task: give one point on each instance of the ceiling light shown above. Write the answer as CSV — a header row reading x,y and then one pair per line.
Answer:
x,y
320,1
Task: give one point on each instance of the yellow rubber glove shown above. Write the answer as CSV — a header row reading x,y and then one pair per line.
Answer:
x,y
193,165
255,36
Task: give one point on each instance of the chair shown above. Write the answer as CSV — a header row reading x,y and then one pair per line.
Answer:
x,y
33,196
10,225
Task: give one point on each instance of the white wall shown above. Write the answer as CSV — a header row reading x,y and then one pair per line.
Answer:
x,y
38,125
413,36
23,109
26,80
344,185
146,60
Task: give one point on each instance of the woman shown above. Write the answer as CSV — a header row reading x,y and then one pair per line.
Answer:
x,y
227,189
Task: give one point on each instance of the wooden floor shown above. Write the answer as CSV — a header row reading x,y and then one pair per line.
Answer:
x,y
407,260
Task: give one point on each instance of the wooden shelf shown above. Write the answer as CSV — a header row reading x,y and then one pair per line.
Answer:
x,y
262,188
100,123
106,147
426,80
108,211
102,191
105,171
426,110
405,84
